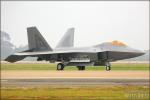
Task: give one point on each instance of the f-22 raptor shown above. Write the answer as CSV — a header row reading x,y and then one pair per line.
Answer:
x,y
67,55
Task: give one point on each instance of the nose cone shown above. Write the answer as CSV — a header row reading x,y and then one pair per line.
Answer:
x,y
136,54
131,53
117,55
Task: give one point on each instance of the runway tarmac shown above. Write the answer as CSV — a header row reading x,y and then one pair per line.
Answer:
x,y
73,81
19,74
41,78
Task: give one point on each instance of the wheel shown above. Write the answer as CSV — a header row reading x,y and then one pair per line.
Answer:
x,y
81,67
108,68
60,66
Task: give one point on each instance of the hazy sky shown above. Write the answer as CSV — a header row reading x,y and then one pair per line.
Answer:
x,y
94,22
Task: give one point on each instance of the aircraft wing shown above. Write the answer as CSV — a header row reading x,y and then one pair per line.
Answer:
x,y
49,52
21,55
14,58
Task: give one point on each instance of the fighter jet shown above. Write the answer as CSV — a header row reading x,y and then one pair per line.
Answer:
x,y
65,54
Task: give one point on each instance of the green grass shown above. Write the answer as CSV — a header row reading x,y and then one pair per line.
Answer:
x,y
47,66
102,92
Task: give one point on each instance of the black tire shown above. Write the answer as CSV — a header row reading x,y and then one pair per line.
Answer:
x,y
108,68
60,66
81,67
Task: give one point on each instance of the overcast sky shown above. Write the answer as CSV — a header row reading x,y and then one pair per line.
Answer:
x,y
94,22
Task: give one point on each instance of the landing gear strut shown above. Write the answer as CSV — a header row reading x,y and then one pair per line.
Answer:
x,y
108,66
60,66
81,67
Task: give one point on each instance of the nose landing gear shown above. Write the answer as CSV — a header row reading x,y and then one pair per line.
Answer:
x,y
108,66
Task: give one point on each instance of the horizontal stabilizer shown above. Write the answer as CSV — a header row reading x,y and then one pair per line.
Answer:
x,y
14,58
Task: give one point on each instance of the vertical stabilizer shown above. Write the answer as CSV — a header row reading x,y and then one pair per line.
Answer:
x,y
36,41
67,40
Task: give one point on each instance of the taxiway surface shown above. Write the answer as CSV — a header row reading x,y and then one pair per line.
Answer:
x,y
73,81
41,78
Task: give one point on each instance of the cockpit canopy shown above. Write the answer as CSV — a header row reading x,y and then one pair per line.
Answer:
x,y
118,43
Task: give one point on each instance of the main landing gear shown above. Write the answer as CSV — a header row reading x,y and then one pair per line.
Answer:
x,y
60,66
81,67
108,66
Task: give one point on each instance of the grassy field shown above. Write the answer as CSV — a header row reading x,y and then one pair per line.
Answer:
x,y
47,66
76,93
100,92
